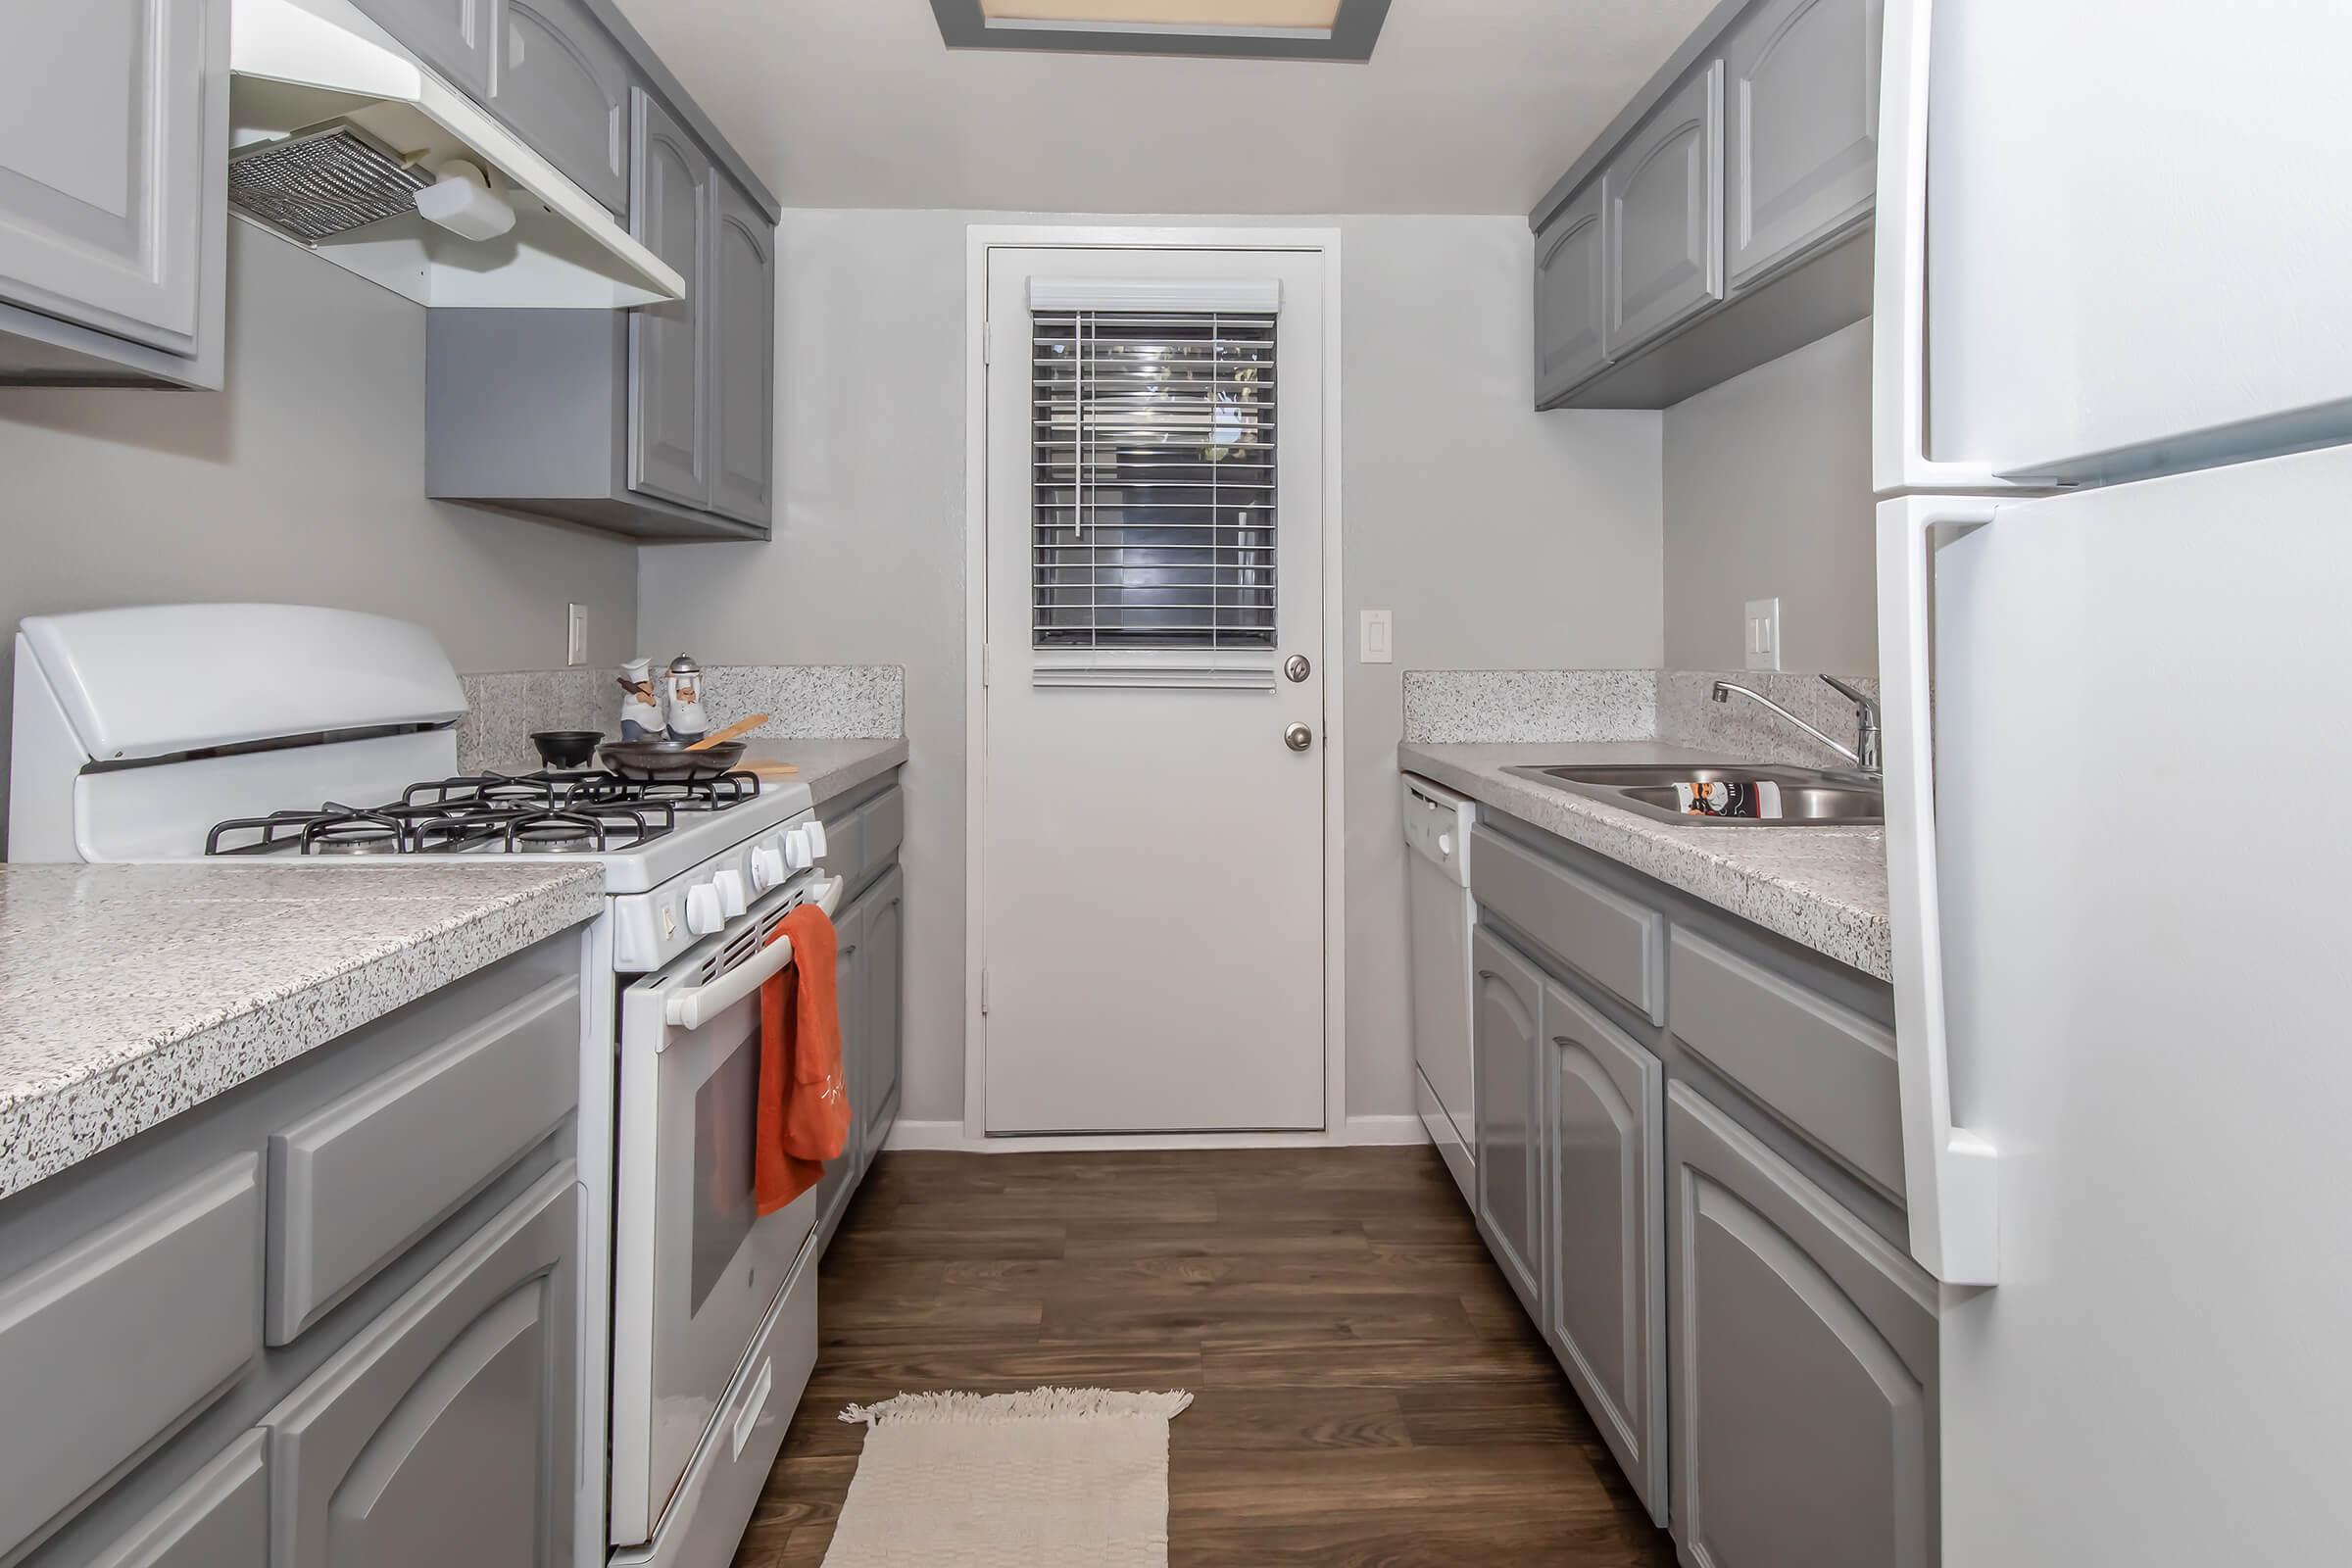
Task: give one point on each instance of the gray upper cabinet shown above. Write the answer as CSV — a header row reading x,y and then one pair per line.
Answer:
x,y
445,1433
1571,273
669,381
1662,197
1803,129
1803,1352
114,140
741,333
1506,1030
455,38
562,83
1736,193
1605,1143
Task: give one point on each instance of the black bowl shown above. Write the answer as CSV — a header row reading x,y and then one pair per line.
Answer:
x,y
566,748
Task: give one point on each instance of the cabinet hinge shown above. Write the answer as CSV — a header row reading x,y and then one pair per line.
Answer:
x,y
984,993
988,341
983,663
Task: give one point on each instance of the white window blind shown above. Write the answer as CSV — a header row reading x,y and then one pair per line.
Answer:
x,y
1153,476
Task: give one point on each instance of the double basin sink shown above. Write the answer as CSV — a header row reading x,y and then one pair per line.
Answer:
x,y
1797,796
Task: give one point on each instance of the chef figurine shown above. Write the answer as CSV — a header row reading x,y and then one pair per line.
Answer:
x,y
683,700
640,707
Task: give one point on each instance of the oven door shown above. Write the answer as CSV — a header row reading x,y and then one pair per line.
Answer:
x,y
696,1267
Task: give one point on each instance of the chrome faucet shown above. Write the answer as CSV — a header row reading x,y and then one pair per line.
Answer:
x,y
1865,754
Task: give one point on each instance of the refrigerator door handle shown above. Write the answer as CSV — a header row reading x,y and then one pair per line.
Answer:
x,y
1899,457
1951,1175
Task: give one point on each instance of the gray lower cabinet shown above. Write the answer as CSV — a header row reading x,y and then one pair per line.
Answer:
x,y
1604,1140
220,1519
839,1183
1803,1352
1662,200
1507,1049
862,845
669,375
563,83
446,1432
884,1002
113,193
458,39
1802,129
1571,294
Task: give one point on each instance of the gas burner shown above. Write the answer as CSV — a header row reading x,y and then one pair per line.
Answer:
x,y
585,811
339,830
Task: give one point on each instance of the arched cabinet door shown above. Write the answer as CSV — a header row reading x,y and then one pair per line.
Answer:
x,y
742,333
1570,272
1800,129
1663,195
1506,1014
1804,1363
669,365
1604,1150
564,83
455,37
446,1432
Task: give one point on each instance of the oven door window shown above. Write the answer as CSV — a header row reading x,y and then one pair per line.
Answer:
x,y
727,1119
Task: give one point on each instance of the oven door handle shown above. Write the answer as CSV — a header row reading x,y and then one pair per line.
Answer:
x,y
687,1008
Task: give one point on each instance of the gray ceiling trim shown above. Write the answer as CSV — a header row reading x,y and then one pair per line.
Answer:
x,y
1351,35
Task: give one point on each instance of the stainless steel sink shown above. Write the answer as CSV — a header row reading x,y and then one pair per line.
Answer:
x,y
1809,797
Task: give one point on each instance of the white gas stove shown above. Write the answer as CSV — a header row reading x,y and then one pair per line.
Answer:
x,y
313,737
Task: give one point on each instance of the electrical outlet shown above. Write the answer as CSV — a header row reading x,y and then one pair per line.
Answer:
x,y
1378,642
576,634
1763,639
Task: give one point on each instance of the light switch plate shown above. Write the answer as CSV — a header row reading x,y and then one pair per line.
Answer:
x,y
576,634
1378,642
1763,636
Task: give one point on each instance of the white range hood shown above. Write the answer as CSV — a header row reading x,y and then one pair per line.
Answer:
x,y
299,64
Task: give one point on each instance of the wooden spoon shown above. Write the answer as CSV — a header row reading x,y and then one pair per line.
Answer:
x,y
742,726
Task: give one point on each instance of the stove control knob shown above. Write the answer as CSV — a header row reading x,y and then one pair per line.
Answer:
x,y
799,854
817,838
732,900
703,912
767,866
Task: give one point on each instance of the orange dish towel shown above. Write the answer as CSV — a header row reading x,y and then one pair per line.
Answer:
x,y
803,1104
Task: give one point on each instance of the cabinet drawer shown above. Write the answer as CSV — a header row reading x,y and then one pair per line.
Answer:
x,y
1828,1072
218,1518
1610,939
358,1180
122,1337
885,829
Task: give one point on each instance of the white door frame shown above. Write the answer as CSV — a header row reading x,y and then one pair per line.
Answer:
x,y
979,240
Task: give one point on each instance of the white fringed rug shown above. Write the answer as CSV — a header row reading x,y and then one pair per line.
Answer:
x,y
1054,1478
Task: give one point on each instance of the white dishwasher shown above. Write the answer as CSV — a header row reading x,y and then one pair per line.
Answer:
x,y
1440,914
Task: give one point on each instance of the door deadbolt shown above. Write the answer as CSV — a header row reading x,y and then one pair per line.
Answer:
x,y
1298,737
1297,667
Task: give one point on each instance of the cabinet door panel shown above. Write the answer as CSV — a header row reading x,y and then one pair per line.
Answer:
x,y
445,1433
564,84
1506,1020
1664,222
1571,273
1802,129
103,149
670,379
743,353
1605,1143
1804,1366
883,982
453,37
841,1175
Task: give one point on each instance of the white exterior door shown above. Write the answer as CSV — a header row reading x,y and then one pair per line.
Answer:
x,y
1153,851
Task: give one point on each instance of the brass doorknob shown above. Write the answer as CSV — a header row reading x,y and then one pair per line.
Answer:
x,y
1298,737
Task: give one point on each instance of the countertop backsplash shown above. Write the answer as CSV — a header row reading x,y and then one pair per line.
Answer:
x,y
845,702
1445,707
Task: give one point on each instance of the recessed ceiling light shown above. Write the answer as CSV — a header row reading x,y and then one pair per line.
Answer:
x,y
1283,29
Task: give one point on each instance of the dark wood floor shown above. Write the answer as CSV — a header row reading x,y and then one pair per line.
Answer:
x,y
1366,1390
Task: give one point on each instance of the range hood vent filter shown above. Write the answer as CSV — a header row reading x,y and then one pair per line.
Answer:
x,y
325,182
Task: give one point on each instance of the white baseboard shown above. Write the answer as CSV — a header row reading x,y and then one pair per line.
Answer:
x,y
1359,1131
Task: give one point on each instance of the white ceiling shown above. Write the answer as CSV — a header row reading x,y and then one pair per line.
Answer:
x,y
1467,105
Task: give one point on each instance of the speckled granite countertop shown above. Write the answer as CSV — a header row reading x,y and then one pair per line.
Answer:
x,y
832,768
1824,887
129,993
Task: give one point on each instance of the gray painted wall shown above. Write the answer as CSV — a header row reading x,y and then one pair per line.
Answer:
x,y
1767,492
1499,536
302,482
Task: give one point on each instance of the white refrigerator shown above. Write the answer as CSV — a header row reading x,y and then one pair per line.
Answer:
x,y
2113,397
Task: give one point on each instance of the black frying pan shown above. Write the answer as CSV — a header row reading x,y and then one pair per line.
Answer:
x,y
670,760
